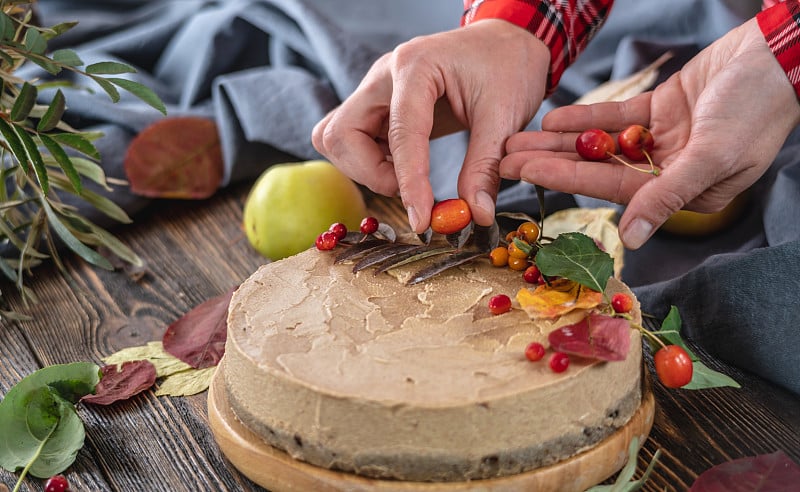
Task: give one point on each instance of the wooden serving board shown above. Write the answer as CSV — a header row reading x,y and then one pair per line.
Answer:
x,y
278,472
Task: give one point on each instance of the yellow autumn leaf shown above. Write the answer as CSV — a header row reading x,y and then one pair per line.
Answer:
x,y
186,383
557,299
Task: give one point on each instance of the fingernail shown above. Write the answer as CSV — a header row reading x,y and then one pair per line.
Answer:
x,y
637,233
484,201
413,220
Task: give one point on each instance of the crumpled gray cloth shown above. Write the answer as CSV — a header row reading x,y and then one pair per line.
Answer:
x,y
267,70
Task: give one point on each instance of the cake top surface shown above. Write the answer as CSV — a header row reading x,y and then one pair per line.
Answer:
x,y
369,336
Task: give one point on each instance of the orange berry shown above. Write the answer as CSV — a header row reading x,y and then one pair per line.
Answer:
x,y
529,231
450,216
518,264
499,256
515,251
511,235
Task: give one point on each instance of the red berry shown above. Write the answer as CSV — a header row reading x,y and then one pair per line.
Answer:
x,y
621,302
559,362
595,145
534,351
673,366
56,483
532,275
339,229
450,216
634,141
500,304
326,241
369,225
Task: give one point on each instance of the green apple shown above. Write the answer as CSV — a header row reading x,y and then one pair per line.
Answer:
x,y
291,204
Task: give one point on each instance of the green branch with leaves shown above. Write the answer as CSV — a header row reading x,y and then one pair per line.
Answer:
x,y
44,157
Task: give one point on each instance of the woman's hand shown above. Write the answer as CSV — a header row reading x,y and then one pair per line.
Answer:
x,y
488,77
718,125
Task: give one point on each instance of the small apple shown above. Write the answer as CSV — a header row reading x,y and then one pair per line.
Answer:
x,y
688,223
291,204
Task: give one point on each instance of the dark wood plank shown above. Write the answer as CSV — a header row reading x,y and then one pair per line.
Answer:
x,y
197,250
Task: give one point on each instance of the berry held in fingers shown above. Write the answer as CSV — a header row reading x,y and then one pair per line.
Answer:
x,y
450,216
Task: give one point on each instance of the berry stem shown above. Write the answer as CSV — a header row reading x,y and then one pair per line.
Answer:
x,y
648,333
652,169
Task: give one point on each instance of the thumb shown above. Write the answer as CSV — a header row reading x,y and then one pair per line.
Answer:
x,y
658,199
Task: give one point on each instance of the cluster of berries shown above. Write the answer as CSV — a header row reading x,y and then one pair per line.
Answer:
x,y
518,255
635,142
338,231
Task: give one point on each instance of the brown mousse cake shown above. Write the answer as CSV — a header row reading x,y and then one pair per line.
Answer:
x,y
364,374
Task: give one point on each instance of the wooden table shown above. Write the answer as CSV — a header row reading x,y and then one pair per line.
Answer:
x,y
197,250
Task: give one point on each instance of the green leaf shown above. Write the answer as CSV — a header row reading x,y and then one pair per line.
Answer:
x,y
63,27
35,42
624,481
142,92
670,331
39,427
78,142
35,157
108,67
108,87
44,62
15,143
24,102
63,161
575,256
54,113
91,170
6,57
704,377
71,241
67,57
7,28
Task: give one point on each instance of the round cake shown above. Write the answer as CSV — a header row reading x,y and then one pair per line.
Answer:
x,y
364,374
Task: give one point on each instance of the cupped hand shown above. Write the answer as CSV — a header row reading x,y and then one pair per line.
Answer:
x,y
488,77
718,124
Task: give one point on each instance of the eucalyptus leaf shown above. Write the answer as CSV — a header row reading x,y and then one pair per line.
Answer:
x,y
35,157
78,142
67,57
71,241
24,102
53,114
39,427
142,92
575,256
64,162
108,87
7,29
15,143
35,42
107,67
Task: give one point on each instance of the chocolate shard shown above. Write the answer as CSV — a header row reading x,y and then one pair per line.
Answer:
x,y
411,256
460,238
360,249
450,261
382,254
486,238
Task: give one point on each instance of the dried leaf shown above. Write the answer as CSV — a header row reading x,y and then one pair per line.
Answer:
x,y
764,473
458,239
558,298
425,237
164,362
387,232
486,238
186,383
597,336
620,90
198,337
121,382
176,158
450,261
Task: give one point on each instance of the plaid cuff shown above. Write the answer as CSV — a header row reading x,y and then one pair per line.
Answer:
x,y
780,25
565,26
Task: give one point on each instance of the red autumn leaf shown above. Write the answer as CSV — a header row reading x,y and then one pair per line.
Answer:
x,y
764,473
596,336
176,158
123,382
198,337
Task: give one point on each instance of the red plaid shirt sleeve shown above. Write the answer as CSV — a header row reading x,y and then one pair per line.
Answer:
x,y
780,24
565,26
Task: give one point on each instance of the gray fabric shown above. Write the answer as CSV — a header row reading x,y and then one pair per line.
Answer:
x,y
268,70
